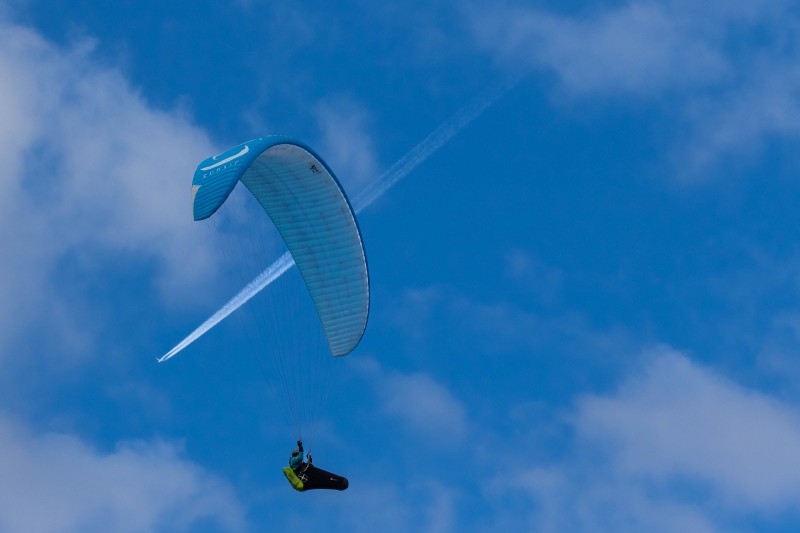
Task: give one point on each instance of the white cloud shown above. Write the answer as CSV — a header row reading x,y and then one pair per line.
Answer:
x,y
417,310
542,280
383,496
641,47
56,482
506,335
91,172
346,145
778,356
744,117
681,421
570,500
424,405
731,66
676,448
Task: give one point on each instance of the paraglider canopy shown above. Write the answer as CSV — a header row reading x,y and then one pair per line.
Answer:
x,y
306,203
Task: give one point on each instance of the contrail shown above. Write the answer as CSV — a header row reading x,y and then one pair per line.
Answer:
x,y
427,147
404,166
273,272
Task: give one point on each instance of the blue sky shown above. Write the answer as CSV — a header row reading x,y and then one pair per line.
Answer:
x,y
585,305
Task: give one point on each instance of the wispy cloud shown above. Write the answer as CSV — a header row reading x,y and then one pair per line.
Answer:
x,y
676,447
543,281
56,482
346,143
92,174
682,421
383,505
727,70
641,47
501,327
425,406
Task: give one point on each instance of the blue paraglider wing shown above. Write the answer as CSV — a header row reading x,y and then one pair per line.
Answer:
x,y
306,203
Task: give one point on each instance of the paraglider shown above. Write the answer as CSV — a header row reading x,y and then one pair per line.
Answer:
x,y
305,476
311,212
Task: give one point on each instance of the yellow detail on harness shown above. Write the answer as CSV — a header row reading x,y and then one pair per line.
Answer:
x,y
293,479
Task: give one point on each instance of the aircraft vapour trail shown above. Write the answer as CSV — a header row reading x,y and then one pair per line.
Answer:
x,y
427,147
273,272
404,166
